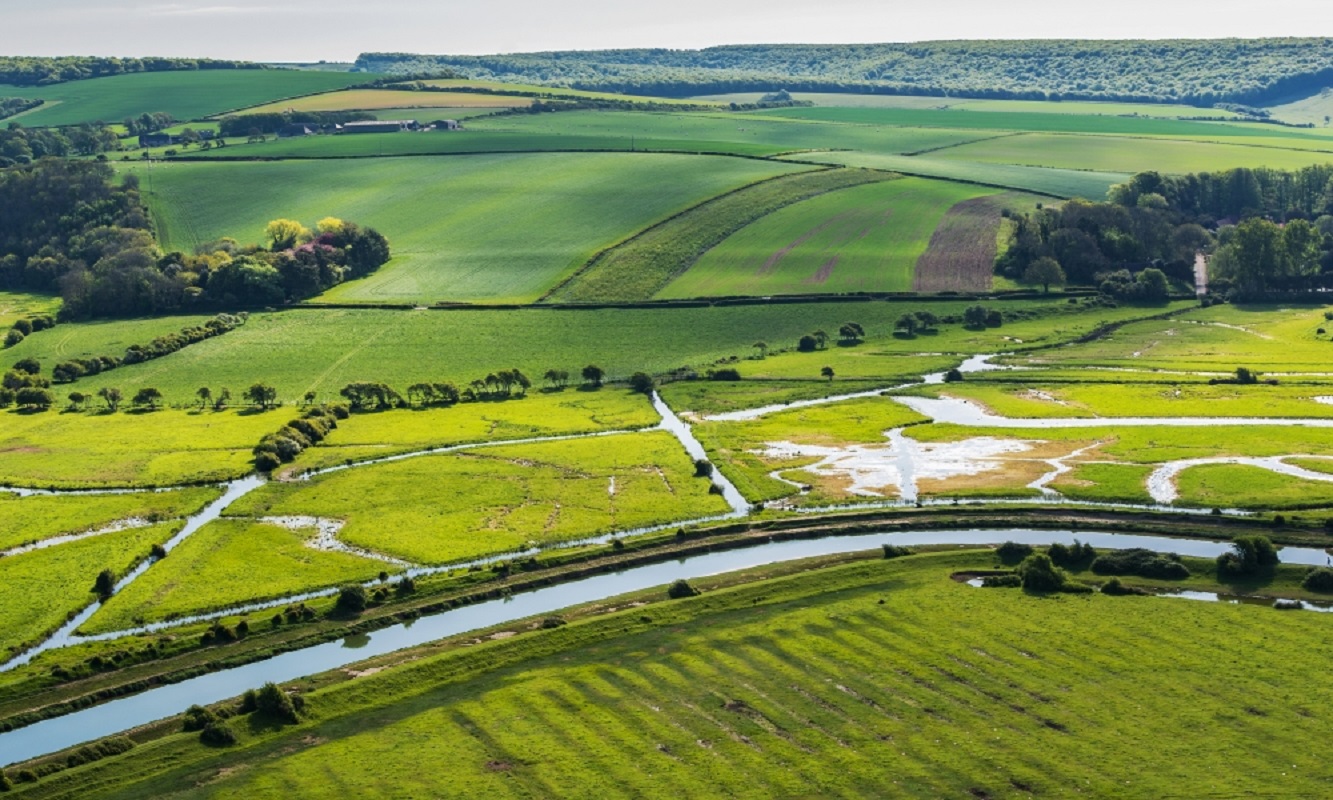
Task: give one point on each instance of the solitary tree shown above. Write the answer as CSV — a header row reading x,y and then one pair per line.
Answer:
x,y
907,323
762,347
111,396
821,338
975,317
262,395
641,382
105,583
205,395
1045,271
851,333
807,344
827,372
594,375
223,397
147,396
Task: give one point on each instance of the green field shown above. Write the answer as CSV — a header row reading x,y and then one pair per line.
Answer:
x,y
1115,154
458,506
1237,486
39,589
228,563
485,228
1037,399
865,239
322,350
1082,108
31,519
373,99
21,305
183,95
857,680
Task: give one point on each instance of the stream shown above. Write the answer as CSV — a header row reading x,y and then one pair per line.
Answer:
x,y
124,713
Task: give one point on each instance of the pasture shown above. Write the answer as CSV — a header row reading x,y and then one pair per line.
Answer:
x,y
22,305
33,519
485,228
38,590
228,563
441,509
840,681
863,239
1035,398
374,99
185,95
322,350
1116,154
912,101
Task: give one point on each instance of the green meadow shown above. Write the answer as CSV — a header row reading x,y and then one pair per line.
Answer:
x,y
855,680
38,590
185,95
864,239
1037,399
1116,154
444,508
34,518
485,228
22,305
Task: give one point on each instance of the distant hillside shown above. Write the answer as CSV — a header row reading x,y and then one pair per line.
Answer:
x,y
34,71
1198,72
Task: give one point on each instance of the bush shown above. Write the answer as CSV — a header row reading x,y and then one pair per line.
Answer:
x,y
1141,562
1115,587
553,622
702,468
274,702
217,734
641,382
1072,556
1001,581
1013,552
105,583
266,461
1038,573
897,551
13,337
405,586
1248,555
196,718
5,785
1319,579
953,376
351,599
681,589
249,701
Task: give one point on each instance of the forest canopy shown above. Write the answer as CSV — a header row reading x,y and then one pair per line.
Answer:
x,y
36,71
1198,72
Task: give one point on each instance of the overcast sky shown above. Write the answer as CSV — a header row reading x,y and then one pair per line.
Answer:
x,y
310,30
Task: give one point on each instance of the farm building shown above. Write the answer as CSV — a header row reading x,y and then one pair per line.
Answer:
x,y
381,126
447,125
157,139
295,129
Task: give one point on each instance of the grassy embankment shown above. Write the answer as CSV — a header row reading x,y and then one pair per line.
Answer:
x,y
793,686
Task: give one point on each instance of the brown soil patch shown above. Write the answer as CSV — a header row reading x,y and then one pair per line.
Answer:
x,y
961,254
825,270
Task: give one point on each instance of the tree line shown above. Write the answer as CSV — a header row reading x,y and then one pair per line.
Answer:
x,y
20,145
40,71
1197,72
272,122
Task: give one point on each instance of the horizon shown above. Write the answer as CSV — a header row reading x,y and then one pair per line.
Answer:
x,y
341,30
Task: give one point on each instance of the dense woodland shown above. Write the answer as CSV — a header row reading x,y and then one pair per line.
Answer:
x,y
36,71
1270,231
1199,72
20,145
65,227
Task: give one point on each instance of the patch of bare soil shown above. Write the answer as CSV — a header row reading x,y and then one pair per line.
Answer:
x,y
961,253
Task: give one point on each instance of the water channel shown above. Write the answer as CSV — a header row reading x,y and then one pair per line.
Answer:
x,y
118,715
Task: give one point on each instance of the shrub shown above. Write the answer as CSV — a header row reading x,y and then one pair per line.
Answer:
x,y
158,551
406,585
1248,555
27,776
953,376
897,551
1039,574
105,583
5,785
1115,587
13,337
217,734
807,344
273,701
1071,556
249,701
266,461
703,469
1319,579
351,599
1141,562
1001,581
1013,552
681,589
641,382
554,622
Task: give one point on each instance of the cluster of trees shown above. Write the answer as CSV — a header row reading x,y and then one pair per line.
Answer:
x,y
1199,72
25,387
286,444
23,328
9,106
64,227
1234,194
39,71
270,123
20,145
72,370
148,123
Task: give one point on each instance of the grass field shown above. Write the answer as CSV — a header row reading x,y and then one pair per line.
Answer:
x,y
322,350
20,305
540,414
864,239
855,680
161,448
644,264
93,338
1238,486
183,95
1314,109
1115,154
227,563
446,508
30,519
1088,108
1041,180
493,228
372,99
1037,399
497,86
39,589
1213,340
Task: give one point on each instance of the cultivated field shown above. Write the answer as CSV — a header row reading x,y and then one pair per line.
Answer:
x,y
865,239
1116,154
373,99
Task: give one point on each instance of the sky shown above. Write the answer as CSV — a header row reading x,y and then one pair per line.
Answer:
x,y
338,30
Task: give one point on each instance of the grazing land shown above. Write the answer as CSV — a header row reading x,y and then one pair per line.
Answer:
x,y
373,99
792,686
185,95
1116,154
865,239
24,520
20,305
488,228
1081,108
1040,180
